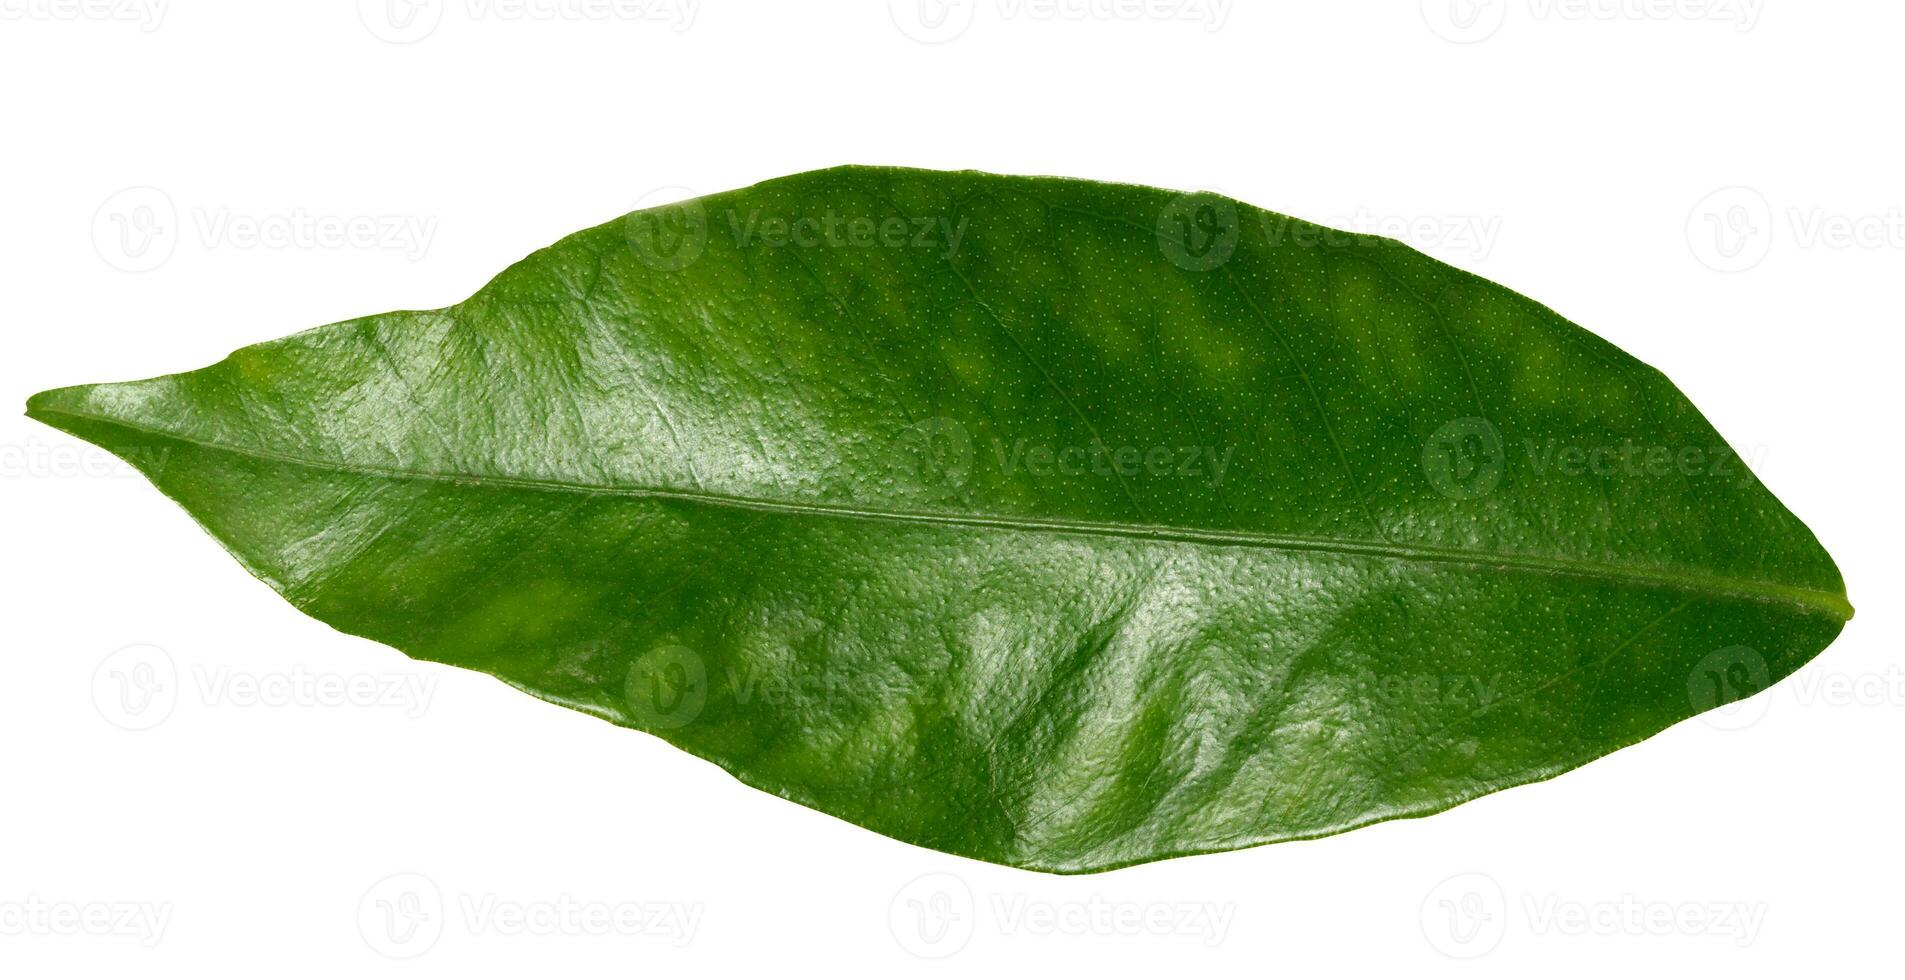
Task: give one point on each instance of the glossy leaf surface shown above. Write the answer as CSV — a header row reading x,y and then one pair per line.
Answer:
x,y
1059,524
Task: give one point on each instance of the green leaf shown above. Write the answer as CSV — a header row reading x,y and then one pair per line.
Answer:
x,y
1060,524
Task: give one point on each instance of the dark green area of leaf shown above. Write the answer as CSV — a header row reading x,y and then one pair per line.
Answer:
x,y
1060,524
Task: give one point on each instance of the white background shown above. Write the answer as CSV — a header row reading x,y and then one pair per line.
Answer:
x,y
1712,186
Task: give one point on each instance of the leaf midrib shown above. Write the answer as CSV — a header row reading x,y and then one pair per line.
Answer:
x,y
1810,600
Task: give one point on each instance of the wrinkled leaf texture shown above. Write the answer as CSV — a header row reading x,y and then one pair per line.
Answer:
x,y
1061,524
